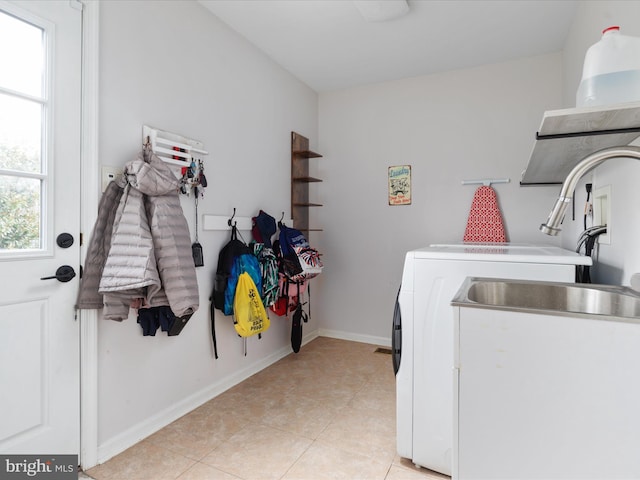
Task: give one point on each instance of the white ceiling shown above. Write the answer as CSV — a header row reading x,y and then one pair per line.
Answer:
x,y
328,45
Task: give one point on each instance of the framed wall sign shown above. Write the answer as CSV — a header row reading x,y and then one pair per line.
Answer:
x,y
400,185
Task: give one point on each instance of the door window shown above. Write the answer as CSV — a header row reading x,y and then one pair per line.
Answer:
x,y
24,123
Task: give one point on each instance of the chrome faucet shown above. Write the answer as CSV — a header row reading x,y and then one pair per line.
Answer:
x,y
552,227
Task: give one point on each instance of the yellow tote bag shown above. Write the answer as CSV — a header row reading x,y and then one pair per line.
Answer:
x,y
249,314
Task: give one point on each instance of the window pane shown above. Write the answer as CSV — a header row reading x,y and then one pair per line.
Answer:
x,y
21,56
20,134
19,213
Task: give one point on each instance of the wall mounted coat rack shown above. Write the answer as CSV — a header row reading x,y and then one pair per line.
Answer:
x,y
221,222
486,181
172,148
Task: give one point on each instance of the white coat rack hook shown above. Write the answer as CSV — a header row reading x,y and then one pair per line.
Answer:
x,y
486,181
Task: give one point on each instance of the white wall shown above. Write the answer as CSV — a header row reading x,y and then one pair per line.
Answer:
x,y
617,261
464,124
174,66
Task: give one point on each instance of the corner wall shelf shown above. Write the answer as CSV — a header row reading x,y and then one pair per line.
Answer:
x,y
304,153
306,179
567,136
300,180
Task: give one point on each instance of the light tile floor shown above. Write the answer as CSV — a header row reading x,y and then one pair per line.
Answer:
x,y
327,412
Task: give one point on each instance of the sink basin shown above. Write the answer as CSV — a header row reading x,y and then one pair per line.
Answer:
x,y
556,297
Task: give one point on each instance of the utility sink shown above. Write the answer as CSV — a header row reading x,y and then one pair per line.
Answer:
x,y
545,370
549,297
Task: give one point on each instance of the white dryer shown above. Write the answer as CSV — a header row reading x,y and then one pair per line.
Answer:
x,y
423,333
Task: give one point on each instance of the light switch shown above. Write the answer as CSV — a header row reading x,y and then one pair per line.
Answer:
x,y
108,174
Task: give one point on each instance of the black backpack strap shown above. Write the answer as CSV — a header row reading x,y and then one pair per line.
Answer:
x,y
308,302
285,293
213,330
305,317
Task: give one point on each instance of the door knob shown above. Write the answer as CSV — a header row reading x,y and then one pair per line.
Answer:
x,y
65,273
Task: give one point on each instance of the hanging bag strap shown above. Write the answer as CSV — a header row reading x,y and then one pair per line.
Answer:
x,y
286,293
305,317
213,330
212,306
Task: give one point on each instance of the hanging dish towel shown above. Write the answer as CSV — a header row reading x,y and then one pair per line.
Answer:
x,y
485,220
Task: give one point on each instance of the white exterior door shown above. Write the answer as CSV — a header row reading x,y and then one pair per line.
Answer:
x,y
40,120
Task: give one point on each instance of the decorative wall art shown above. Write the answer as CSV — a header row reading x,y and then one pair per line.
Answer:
x,y
400,185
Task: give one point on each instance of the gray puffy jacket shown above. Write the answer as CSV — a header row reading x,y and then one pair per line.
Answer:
x,y
149,246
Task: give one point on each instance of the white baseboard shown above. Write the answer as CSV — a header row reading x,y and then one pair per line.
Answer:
x,y
151,425
355,337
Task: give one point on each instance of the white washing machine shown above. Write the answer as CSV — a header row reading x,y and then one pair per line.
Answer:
x,y
423,333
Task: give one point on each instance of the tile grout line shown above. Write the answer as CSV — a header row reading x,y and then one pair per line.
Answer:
x,y
297,459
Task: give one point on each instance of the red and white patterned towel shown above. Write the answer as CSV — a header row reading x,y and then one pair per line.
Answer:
x,y
485,220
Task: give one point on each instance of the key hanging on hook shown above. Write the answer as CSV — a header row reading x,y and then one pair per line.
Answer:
x,y
201,178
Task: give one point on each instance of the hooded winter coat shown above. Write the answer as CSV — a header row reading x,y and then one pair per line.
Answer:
x,y
98,249
149,253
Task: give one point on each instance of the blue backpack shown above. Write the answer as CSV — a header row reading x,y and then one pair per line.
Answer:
x,y
233,249
221,294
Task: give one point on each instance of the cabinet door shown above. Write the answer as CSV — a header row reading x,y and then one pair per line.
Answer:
x,y
542,396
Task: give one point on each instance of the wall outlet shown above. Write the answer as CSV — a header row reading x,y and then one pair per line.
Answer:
x,y
108,174
602,212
